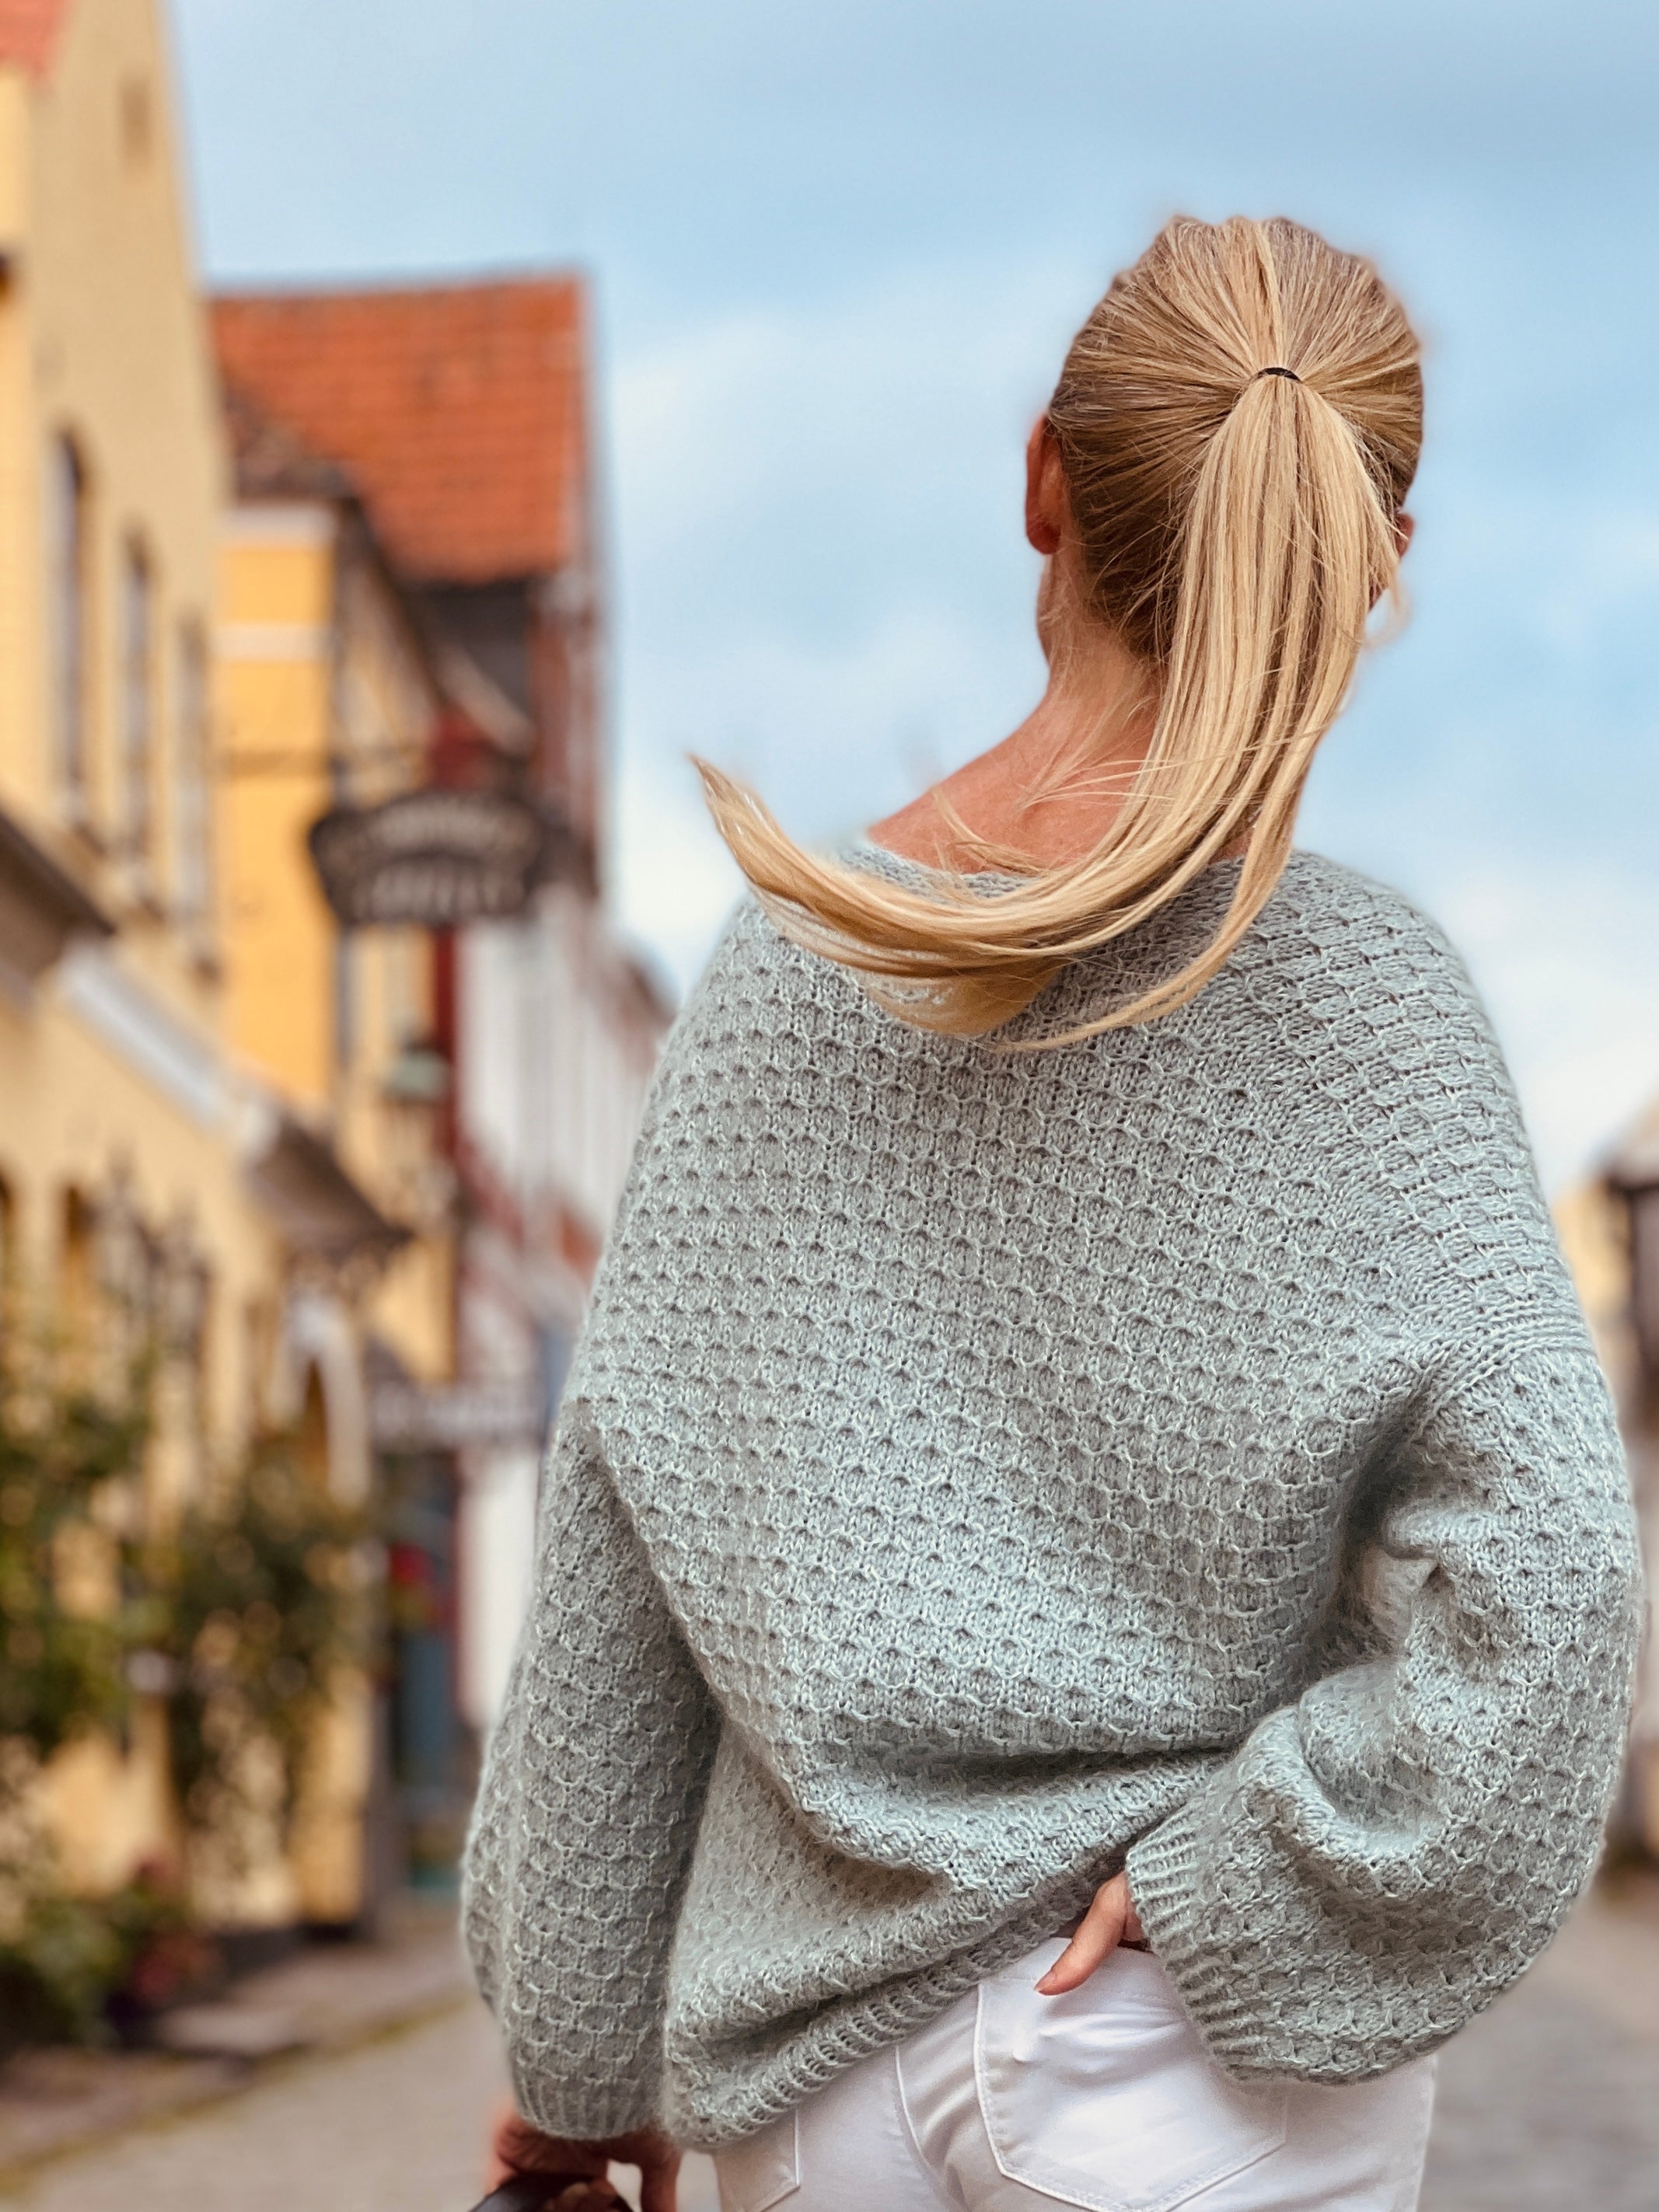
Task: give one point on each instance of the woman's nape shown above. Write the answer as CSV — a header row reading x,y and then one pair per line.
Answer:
x,y
1048,792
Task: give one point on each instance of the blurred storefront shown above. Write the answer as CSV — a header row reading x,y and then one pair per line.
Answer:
x,y
318,1051
123,1184
326,696
460,415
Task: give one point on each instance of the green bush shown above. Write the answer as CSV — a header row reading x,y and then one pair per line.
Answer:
x,y
252,1611
65,1455
238,1620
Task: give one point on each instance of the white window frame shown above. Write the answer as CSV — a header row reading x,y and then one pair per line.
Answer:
x,y
137,795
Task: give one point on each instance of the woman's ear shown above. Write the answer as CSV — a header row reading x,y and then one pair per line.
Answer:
x,y
1405,528
1045,489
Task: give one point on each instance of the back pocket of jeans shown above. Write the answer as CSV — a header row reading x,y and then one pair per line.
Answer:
x,y
1105,2098
761,2169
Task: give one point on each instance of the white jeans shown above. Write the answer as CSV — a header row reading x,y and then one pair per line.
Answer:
x,y
1012,2102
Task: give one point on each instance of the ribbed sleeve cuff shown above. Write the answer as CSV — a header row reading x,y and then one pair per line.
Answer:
x,y
1165,1870
585,2112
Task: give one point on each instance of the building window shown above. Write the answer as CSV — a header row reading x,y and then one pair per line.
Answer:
x,y
67,494
137,700
187,1316
137,121
345,1003
8,1251
260,1339
77,1282
193,790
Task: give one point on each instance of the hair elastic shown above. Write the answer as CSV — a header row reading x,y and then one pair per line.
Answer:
x,y
1291,372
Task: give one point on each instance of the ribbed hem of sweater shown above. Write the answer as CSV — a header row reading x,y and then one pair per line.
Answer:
x,y
583,2114
1165,1870
707,2113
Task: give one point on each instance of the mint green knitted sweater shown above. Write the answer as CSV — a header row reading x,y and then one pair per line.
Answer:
x,y
981,1468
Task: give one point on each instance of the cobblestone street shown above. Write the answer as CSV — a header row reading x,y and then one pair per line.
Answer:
x,y
1549,2104
397,2126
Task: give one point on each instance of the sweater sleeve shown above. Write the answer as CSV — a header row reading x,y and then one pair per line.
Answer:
x,y
587,1812
1379,1860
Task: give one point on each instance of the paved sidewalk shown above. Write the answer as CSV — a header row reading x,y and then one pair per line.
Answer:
x,y
324,1999
395,2125
1550,2102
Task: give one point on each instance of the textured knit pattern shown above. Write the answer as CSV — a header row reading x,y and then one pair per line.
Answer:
x,y
980,1468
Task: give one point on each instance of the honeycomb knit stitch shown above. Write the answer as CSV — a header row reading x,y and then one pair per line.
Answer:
x,y
981,1469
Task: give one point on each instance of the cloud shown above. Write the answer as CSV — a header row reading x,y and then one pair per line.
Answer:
x,y
823,582
807,459
674,882
1567,958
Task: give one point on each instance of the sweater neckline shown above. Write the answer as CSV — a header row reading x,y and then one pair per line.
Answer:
x,y
881,859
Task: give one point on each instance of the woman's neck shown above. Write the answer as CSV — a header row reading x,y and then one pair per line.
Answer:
x,y
1050,791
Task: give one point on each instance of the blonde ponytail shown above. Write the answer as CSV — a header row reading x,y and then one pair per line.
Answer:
x,y
1238,423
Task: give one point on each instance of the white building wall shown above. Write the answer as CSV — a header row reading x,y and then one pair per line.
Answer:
x,y
497,1558
551,1084
554,1067
487,1046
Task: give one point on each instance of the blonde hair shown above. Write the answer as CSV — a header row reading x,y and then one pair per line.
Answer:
x,y
1236,525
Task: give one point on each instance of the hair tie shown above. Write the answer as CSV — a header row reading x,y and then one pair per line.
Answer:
x,y
1291,372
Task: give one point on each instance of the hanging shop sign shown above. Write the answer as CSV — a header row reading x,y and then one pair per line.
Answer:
x,y
433,859
407,1416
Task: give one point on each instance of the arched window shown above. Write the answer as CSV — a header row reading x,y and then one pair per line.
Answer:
x,y
66,492
137,700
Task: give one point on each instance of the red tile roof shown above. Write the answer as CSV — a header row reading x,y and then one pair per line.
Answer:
x,y
29,32
457,409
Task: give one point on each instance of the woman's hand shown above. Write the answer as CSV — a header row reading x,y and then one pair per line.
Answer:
x,y
1110,1920
517,2147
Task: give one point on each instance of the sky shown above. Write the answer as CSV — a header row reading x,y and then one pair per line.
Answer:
x,y
836,252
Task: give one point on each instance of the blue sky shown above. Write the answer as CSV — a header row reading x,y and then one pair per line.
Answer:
x,y
838,249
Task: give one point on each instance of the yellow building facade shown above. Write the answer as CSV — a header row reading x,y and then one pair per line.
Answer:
x,y
119,1150
212,1104
326,696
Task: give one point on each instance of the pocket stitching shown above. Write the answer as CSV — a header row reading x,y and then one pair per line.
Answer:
x,y
791,2165
1053,2183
